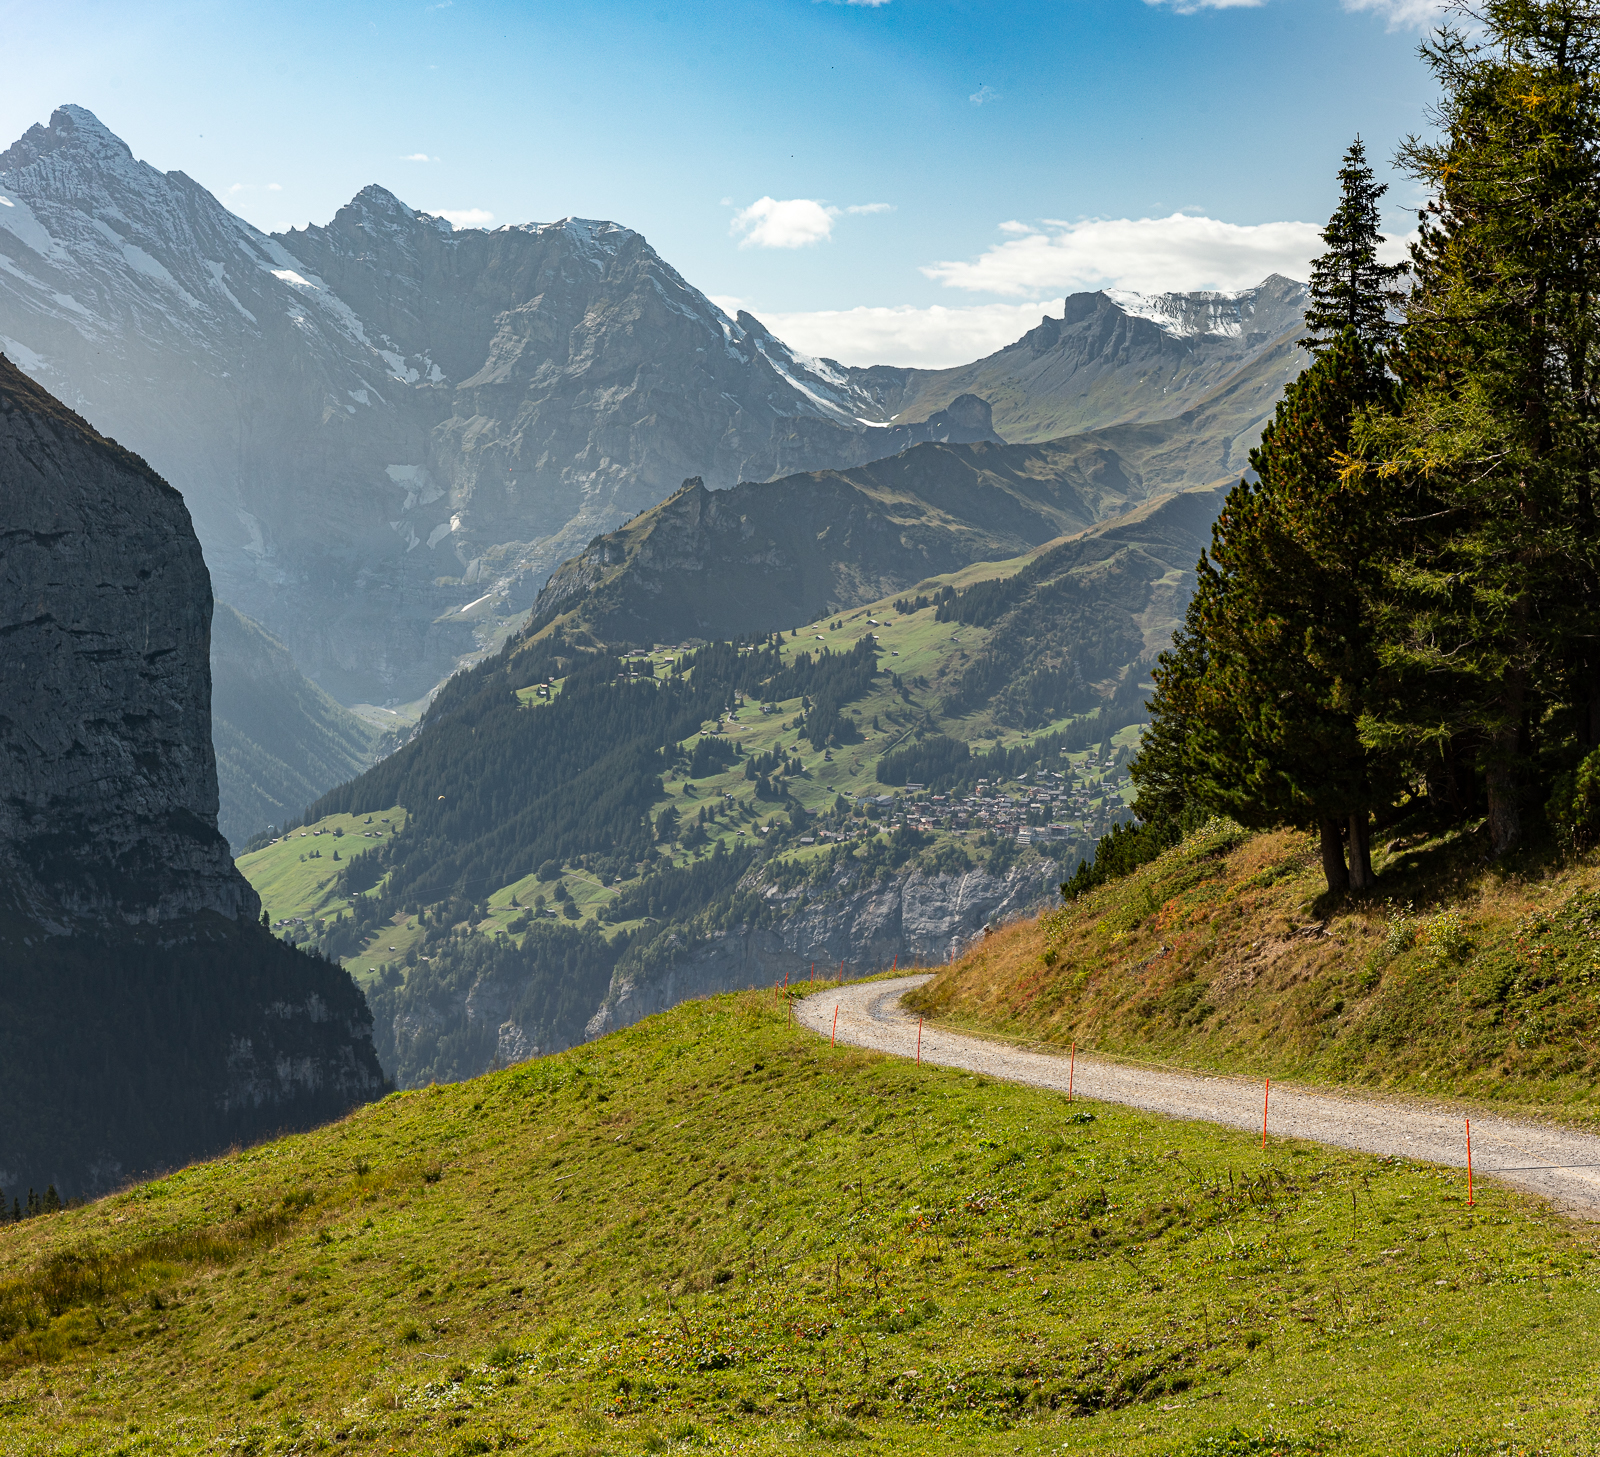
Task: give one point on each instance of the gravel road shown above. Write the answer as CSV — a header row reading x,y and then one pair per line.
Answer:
x,y
1556,1163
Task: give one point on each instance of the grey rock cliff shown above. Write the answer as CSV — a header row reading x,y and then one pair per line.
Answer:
x,y
915,919
108,787
149,1017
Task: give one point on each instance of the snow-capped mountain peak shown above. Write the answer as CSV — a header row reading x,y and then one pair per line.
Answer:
x,y
1269,308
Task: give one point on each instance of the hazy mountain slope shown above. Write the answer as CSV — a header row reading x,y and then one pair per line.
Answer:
x,y
280,740
764,556
380,420
146,1015
1113,356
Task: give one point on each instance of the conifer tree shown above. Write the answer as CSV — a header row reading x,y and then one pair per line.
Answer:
x,y
1350,288
1491,619
1268,679
1259,706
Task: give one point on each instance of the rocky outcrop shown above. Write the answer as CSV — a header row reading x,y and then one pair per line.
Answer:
x,y
914,919
108,787
145,1014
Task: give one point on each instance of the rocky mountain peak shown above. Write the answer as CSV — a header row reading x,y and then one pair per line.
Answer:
x,y
1274,305
71,128
375,206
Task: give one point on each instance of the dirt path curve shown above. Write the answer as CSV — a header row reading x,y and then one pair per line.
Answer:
x,y
1554,1162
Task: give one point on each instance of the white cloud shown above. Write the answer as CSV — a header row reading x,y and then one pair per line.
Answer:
x,y
984,94
794,222
1403,14
419,157
1150,255
929,338
1189,7
256,187
464,217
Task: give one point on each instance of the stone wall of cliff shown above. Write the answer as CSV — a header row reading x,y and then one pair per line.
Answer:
x,y
108,786
146,1016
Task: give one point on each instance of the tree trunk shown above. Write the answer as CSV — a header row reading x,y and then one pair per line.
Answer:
x,y
1505,820
1500,774
1445,794
1333,857
1361,877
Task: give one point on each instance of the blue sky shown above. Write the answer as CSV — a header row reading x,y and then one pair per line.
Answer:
x,y
908,180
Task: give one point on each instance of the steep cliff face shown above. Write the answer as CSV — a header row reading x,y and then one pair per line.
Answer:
x,y
147,1015
108,787
915,919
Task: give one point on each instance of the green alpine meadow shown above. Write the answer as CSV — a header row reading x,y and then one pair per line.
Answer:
x,y
714,1232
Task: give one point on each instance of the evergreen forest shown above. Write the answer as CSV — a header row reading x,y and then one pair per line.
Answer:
x,y
1401,610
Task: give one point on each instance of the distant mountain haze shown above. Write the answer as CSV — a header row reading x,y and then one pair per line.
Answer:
x,y
1114,357
389,432
280,741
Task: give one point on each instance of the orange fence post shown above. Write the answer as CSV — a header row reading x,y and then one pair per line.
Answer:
x,y
1072,1064
1469,1163
834,1038
1264,1098
919,1041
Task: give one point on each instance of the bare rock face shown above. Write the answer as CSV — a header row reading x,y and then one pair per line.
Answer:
x,y
108,787
157,1019
915,920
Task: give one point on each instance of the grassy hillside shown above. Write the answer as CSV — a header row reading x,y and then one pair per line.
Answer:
x,y
1455,976
298,878
713,1232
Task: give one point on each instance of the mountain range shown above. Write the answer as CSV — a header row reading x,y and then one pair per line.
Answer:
x,y
382,422
539,452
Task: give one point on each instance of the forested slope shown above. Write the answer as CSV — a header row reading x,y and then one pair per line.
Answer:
x,y
583,827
